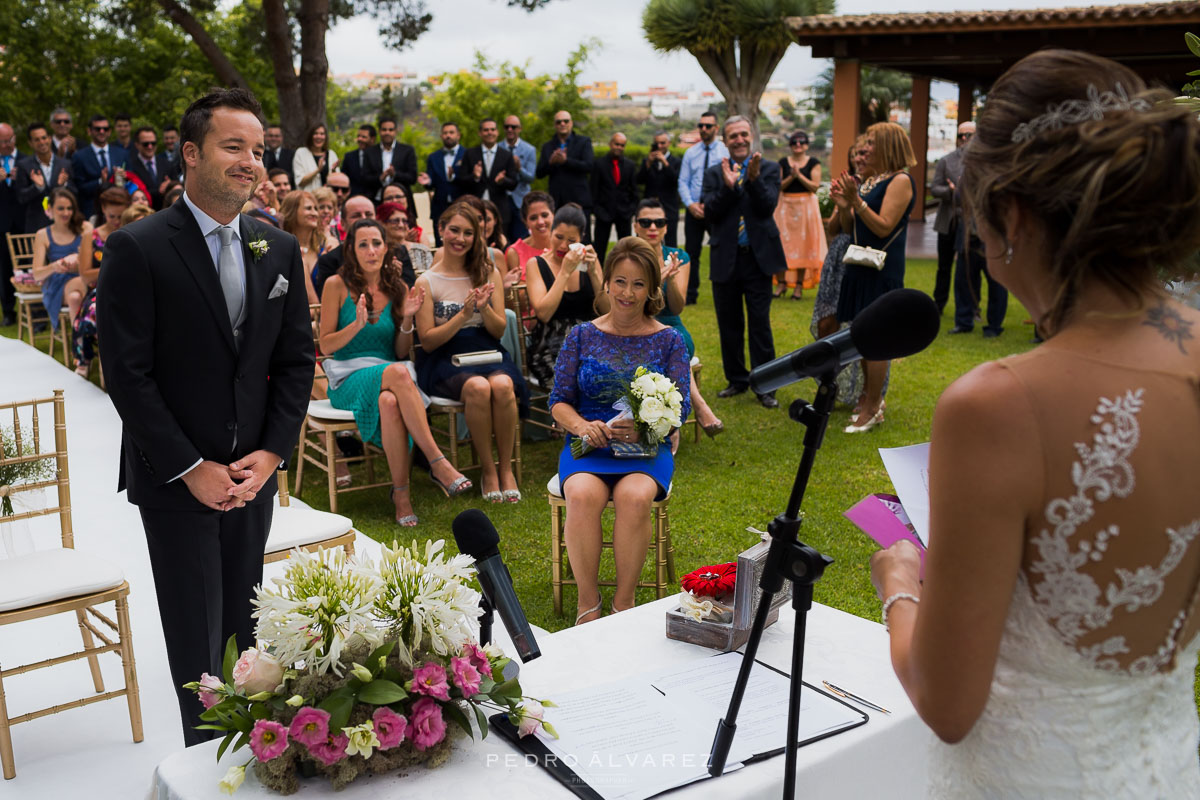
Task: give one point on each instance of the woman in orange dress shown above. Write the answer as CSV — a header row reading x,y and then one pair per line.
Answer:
x,y
798,217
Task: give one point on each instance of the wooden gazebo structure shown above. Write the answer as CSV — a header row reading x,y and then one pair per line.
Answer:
x,y
973,48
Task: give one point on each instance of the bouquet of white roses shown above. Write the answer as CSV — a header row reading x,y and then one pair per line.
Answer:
x,y
654,404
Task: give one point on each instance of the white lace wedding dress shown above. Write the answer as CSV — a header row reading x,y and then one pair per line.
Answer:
x,y
1092,695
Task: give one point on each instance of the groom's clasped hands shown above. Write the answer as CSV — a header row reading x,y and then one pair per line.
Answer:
x,y
222,487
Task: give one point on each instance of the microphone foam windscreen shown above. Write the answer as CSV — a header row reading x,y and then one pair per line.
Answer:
x,y
475,534
898,324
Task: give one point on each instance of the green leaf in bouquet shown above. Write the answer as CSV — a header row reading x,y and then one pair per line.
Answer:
x,y
260,711
510,688
241,721
1193,73
381,692
213,728
455,713
480,720
225,744
486,684
231,657
382,652
242,741
339,704
1193,43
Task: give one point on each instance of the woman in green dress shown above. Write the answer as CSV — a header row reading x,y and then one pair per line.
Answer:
x,y
650,224
367,314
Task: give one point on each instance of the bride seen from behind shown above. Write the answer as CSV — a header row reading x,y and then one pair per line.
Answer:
x,y
1052,645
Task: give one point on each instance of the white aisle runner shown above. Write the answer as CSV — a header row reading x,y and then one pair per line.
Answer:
x,y
89,752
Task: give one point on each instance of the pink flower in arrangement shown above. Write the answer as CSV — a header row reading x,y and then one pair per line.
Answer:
x,y
478,658
330,751
268,739
430,679
209,686
310,727
426,726
389,727
257,671
466,677
531,718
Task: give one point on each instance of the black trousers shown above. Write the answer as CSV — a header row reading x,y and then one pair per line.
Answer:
x,y
8,294
947,246
968,282
604,230
206,565
693,243
751,286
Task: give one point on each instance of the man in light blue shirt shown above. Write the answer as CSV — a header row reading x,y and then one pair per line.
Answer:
x,y
696,161
525,155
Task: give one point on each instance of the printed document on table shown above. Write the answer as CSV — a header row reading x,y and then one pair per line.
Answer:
x,y
627,740
908,467
762,718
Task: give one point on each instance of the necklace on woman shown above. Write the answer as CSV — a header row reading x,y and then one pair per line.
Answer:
x,y
870,183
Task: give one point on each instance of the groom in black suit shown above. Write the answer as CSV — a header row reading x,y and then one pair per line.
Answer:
x,y
208,358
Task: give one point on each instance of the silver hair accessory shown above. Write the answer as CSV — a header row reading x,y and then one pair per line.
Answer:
x,y
1072,112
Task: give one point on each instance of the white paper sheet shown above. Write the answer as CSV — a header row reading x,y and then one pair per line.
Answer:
x,y
908,467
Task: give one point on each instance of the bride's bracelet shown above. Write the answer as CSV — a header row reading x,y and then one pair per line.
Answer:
x,y
887,604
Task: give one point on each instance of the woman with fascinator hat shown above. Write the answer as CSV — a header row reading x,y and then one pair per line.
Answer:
x,y
1052,644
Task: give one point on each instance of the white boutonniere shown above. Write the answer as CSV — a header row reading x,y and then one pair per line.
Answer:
x,y
259,247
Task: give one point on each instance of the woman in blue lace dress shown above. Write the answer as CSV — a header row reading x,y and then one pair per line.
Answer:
x,y
367,315
597,360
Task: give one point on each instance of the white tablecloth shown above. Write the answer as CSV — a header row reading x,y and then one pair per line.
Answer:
x,y
886,757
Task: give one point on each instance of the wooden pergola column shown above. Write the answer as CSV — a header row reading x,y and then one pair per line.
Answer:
x,y
919,135
966,102
847,86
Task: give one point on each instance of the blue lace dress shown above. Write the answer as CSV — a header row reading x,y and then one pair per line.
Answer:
x,y
674,320
360,391
591,368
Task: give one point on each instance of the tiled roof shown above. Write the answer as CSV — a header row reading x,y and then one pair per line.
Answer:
x,y
823,25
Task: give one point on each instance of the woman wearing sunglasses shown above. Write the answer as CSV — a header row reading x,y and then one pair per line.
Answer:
x,y
650,224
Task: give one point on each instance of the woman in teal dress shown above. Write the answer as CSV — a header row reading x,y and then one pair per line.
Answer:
x,y
367,314
650,224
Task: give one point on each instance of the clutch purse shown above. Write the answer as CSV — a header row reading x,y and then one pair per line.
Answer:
x,y
862,256
477,357
633,450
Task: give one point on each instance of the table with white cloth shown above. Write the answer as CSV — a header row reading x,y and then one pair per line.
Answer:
x,y
886,757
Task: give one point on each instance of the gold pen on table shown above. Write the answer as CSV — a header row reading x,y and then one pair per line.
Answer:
x,y
843,693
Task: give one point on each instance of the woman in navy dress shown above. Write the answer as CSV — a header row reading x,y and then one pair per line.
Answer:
x,y
877,212
597,360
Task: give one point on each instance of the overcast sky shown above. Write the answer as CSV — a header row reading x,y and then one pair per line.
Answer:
x,y
545,37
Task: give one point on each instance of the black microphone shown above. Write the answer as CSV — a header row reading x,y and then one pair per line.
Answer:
x,y
899,323
477,537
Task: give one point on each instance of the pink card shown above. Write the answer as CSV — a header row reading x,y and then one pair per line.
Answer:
x,y
881,517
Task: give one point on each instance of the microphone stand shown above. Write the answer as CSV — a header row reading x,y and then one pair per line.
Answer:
x,y
485,621
792,560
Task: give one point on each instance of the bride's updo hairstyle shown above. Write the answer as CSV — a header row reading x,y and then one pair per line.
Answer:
x,y
1109,167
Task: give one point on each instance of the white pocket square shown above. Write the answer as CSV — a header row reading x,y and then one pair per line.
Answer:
x,y
279,289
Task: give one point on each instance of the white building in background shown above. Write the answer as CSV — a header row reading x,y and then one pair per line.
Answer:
x,y
943,125
801,98
398,79
665,102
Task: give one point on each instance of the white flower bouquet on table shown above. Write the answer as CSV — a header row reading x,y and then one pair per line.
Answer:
x,y
358,669
654,403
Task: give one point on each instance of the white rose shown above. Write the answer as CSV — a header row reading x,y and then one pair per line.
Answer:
x,y
652,410
662,384
257,671
662,428
643,386
674,400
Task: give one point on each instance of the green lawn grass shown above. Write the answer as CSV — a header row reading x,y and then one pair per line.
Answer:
x,y
741,478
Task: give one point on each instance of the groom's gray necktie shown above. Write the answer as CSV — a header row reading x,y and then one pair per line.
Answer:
x,y
231,280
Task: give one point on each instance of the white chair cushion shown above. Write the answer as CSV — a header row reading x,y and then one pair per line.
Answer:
x,y
555,488
444,402
695,362
296,527
48,575
323,409
29,296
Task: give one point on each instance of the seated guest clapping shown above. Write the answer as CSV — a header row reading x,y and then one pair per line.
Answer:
x,y
650,224
367,315
60,252
395,221
537,212
565,285
465,314
595,357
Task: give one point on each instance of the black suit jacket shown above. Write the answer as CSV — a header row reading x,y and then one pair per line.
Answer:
x,y
11,217
661,181
755,201
163,168
181,387
284,161
87,174
569,180
443,189
497,190
365,177
30,196
613,202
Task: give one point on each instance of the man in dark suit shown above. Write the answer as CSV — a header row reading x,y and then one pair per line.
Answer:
x,y
208,358
153,169
364,166
94,164
276,156
441,168
659,177
399,161
488,171
614,191
567,159
10,218
739,197
37,175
